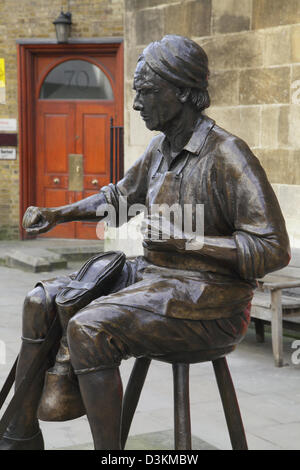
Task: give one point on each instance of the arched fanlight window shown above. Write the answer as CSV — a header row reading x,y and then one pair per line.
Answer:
x,y
78,80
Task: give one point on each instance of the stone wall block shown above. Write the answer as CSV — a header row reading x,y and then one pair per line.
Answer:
x,y
295,43
190,19
294,126
128,100
131,58
149,25
134,5
278,164
277,47
275,126
269,13
265,86
198,17
270,124
283,126
289,199
175,20
230,16
296,169
224,88
230,52
242,121
139,134
295,73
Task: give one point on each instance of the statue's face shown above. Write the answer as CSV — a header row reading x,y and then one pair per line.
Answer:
x,y
156,99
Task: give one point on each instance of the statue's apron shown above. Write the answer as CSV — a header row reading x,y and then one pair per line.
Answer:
x,y
164,187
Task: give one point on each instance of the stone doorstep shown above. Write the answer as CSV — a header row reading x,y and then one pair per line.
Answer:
x,y
36,259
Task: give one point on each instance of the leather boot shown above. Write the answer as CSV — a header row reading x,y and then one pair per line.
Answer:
x,y
61,399
35,442
23,432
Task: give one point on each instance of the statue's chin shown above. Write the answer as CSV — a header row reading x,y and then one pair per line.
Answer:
x,y
150,126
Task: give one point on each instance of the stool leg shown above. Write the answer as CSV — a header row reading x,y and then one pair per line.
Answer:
x,y
182,419
132,395
230,405
259,330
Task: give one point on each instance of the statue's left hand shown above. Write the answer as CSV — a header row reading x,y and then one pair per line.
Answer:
x,y
161,234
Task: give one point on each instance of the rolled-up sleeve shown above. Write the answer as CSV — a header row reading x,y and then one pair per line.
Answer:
x,y
259,227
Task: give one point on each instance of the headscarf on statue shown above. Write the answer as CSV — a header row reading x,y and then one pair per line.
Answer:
x,y
179,60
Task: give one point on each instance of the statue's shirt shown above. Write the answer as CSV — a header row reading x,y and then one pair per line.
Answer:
x,y
218,170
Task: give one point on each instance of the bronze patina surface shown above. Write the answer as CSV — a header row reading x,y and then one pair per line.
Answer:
x,y
177,297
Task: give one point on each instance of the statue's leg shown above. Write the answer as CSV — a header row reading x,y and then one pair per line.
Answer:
x,y
23,432
100,385
102,395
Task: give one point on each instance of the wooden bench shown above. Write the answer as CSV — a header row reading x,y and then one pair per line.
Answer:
x,y
277,301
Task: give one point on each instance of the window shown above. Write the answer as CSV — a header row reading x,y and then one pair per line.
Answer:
x,y
77,80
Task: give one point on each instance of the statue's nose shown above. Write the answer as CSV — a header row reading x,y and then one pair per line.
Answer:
x,y
137,105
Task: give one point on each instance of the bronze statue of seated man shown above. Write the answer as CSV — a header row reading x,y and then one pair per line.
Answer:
x,y
179,296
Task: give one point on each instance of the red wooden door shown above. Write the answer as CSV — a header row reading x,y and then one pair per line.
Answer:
x,y
74,105
65,128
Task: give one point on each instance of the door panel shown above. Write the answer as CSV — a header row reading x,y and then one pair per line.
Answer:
x,y
56,142
93,134
93,124
92,131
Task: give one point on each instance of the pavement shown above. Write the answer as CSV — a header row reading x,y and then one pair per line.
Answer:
x,y
269,397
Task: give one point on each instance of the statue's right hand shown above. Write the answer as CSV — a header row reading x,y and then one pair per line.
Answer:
x,y
38,220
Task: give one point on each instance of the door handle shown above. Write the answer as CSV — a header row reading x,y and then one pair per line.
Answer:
x,y
56,180
95,182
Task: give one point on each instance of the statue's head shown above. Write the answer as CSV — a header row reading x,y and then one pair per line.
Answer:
x,y
171,74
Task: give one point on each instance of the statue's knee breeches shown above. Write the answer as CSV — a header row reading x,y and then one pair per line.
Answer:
x,y
37,315
92,346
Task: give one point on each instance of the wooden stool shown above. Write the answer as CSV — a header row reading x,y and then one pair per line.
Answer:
x,y
182,422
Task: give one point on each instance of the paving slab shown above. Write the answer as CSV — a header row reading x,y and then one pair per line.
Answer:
x,y
160,440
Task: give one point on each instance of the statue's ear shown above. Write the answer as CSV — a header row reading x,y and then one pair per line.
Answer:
x,y
183,94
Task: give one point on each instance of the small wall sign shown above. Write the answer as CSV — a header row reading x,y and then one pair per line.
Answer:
x,y
8,125
8,153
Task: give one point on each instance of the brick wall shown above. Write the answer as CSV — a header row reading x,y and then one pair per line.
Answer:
x,y
33,19
254,52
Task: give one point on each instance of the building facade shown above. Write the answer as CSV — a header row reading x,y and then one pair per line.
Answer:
x,y
24,167
254,53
